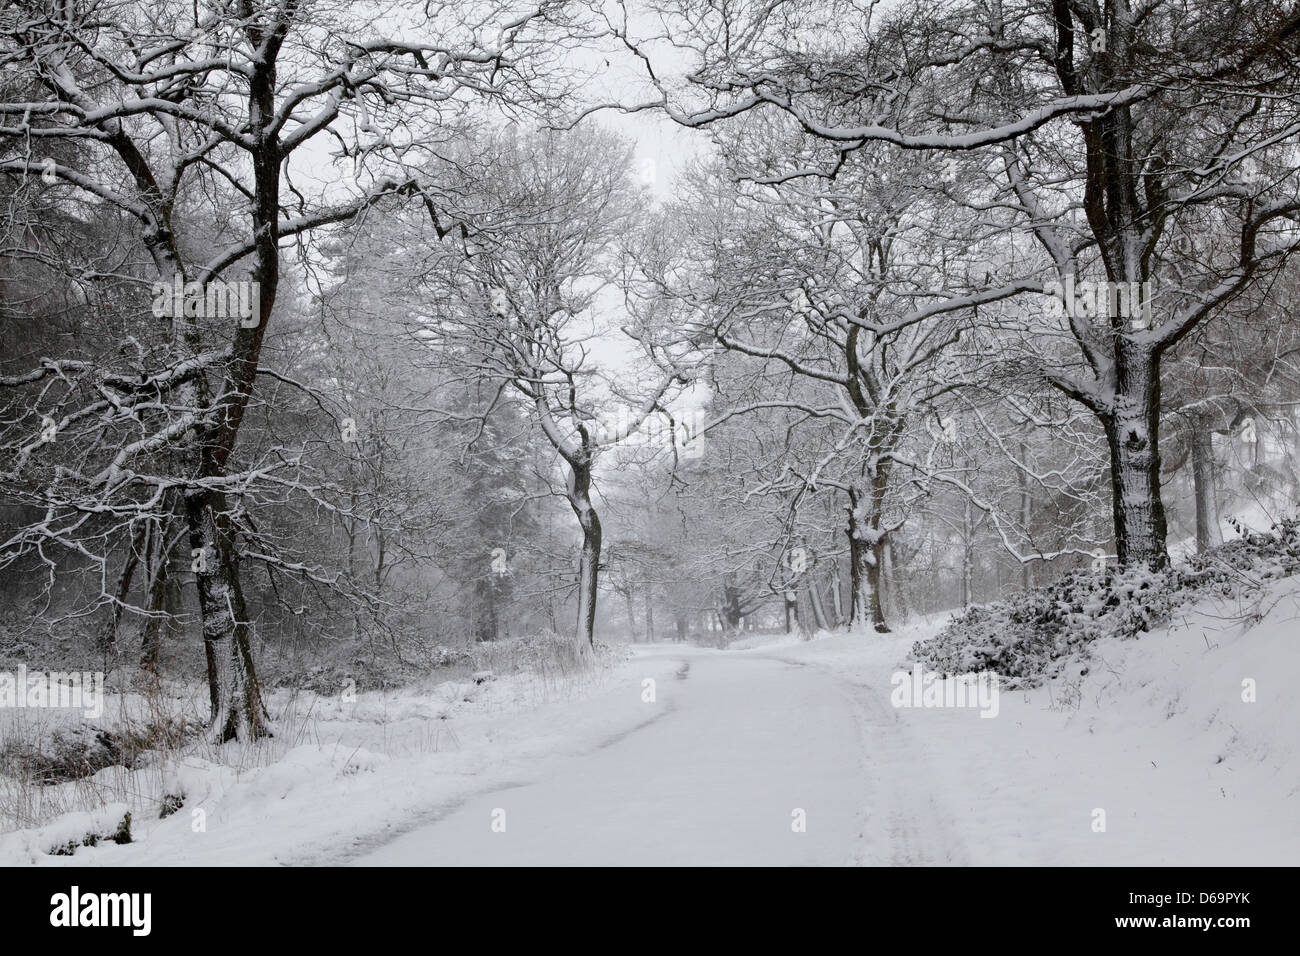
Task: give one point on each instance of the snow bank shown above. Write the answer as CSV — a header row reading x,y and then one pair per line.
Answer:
x,y
66,834
1178,748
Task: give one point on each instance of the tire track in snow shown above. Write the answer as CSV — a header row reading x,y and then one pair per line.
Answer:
x,y
906,822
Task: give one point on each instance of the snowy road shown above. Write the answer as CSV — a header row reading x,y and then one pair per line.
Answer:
x,y
584,771
736,747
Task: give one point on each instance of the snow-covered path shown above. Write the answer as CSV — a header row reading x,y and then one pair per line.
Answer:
x,y
1154,757
738,746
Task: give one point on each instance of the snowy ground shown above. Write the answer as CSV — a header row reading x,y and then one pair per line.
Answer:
x,y
738,747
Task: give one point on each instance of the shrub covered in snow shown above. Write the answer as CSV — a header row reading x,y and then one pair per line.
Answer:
x,y
1030,636
48,755
119,833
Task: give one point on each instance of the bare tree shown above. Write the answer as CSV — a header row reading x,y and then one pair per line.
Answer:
x,y
1138,81
521,302
198,119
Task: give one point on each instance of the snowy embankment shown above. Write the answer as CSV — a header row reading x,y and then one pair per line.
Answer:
x,y
1187,738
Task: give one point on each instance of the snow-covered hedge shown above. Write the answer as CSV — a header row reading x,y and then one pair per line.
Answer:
x,y
1030,636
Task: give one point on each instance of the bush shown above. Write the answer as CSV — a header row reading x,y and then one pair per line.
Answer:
x,y
73,753
120,834
1029,637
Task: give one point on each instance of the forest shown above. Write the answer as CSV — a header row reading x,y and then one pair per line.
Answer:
x,y
340,341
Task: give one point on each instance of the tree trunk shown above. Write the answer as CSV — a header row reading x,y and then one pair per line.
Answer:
x,y
1132,429
818,606
1026,516
236,699
588,580
649,616
867,605
730,615
237,708
631,614
159,560
967,553
866,544
805,616
589,562
1202,451
483,619
896,586
837,594
139,544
